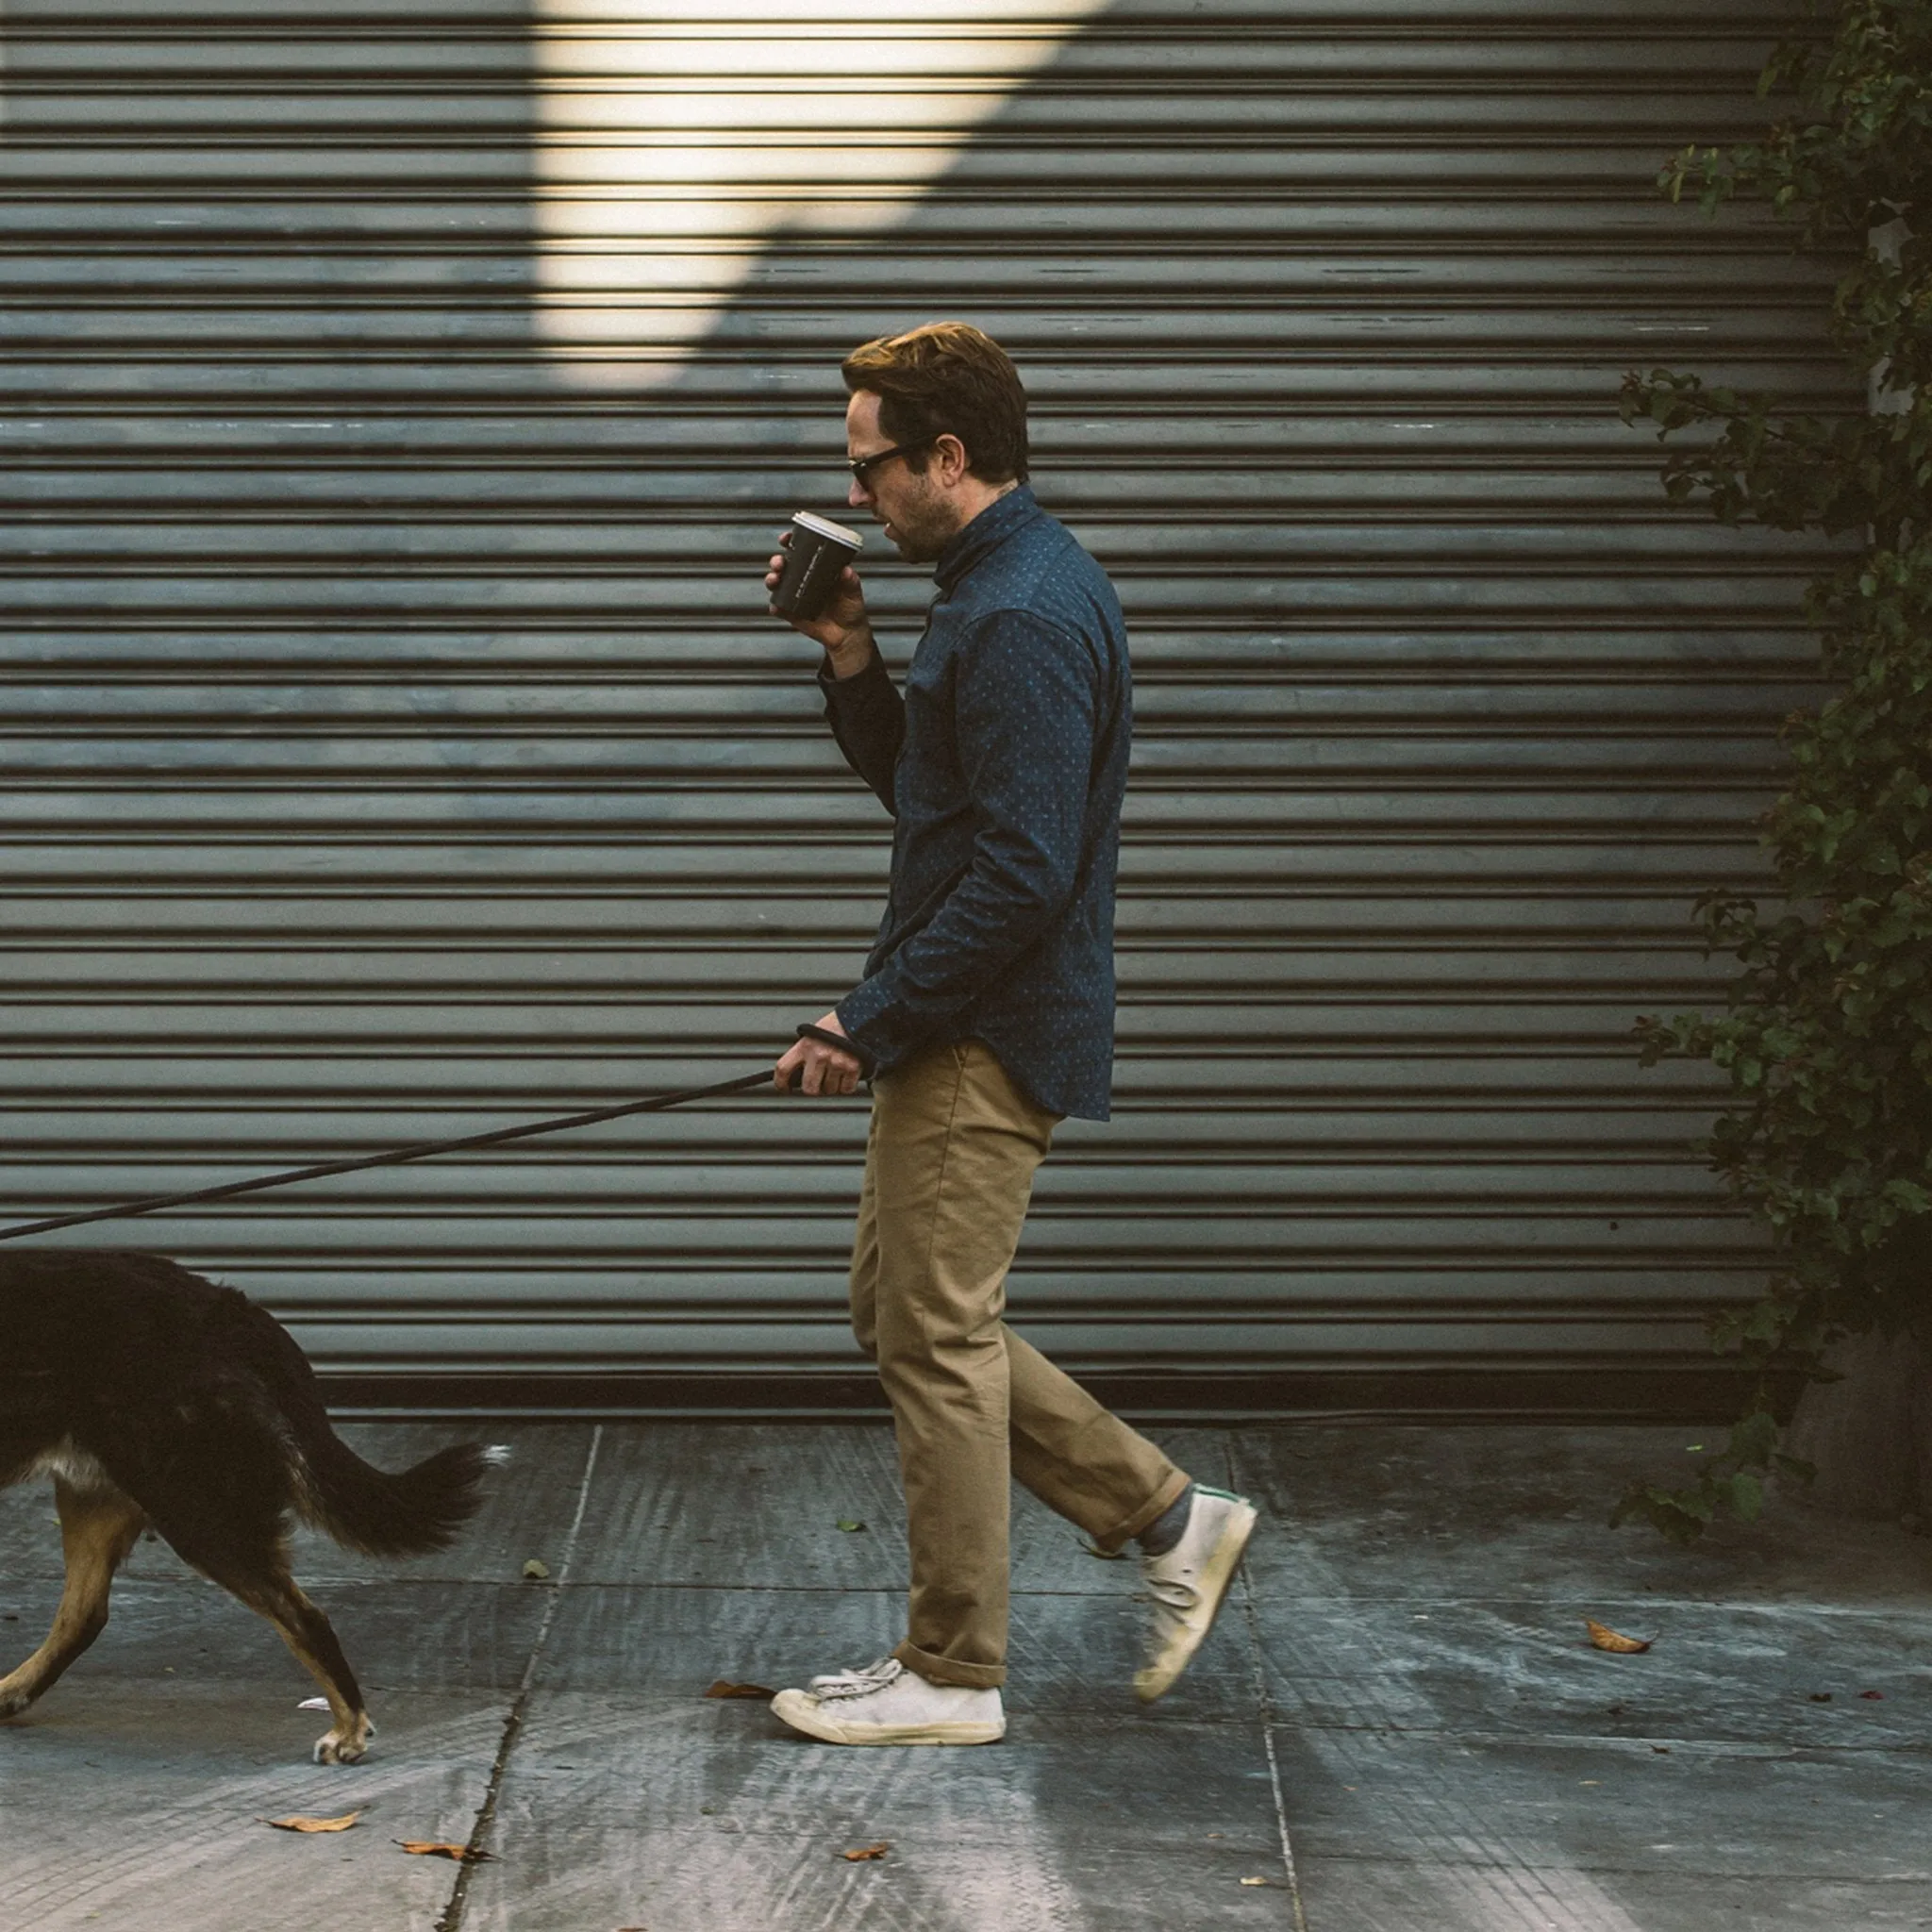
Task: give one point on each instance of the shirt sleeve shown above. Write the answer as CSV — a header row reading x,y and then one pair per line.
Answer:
x,y
868,719
1026,709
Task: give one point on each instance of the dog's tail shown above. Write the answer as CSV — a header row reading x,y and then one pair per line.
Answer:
x,y
407,1514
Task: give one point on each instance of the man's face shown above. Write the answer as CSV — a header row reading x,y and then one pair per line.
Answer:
x,y
921,518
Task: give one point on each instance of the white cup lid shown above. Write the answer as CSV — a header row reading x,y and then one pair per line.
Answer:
x,y
826,527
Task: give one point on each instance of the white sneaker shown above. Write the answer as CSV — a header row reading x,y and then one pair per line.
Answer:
x,y
887,1704
1187,1584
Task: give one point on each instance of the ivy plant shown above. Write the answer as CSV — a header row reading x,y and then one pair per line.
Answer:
x,y
1825,1033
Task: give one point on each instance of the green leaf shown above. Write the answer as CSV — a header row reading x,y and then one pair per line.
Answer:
x,y
1753,1439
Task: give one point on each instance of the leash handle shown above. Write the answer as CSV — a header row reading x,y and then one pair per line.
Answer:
x,y
867,1059
396,1157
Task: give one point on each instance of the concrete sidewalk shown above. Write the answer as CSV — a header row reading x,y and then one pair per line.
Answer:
x,y
1399,1725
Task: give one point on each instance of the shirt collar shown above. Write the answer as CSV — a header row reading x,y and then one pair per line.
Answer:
x,y
998,521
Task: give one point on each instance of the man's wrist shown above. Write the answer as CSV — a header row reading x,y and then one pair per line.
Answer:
x,y
849,659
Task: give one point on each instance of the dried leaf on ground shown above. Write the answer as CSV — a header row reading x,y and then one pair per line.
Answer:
x,y
429,1848
314,1704
1253,1881
536,1571
1605,1638
725,1688
866,1852
345,1823
1875,1696
849,1523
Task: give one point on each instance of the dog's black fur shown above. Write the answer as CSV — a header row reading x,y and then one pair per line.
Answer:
x,y
155,1398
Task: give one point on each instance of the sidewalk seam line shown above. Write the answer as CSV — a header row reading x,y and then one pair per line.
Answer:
x,y
452,1918
1265,1704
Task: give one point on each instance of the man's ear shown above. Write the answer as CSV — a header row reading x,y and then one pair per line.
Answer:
x,y
952,460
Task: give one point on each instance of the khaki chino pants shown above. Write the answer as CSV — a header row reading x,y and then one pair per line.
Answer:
x,y
948,1174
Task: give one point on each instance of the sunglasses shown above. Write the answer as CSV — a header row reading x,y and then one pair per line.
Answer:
x,y
862,467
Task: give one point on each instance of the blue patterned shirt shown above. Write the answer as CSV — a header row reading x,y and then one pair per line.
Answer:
x,y
1004,766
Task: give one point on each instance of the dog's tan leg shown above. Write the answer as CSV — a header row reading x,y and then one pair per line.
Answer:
x,y
98,1529
309,1634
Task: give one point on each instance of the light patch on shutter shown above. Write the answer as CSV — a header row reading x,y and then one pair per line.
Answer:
x,y
672,147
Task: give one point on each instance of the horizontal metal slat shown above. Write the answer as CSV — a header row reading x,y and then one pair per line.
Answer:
x,y
1383,1062
552,861
1649,1125
797,374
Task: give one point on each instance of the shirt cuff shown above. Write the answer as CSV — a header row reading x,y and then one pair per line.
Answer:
x,y
859,1012
858,687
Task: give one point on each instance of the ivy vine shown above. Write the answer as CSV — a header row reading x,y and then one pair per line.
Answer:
x,y
1826,1029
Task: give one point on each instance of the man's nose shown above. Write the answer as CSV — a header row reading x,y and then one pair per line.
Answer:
x,y
858,496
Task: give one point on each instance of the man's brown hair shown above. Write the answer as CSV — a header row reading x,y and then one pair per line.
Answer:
x,y
947,378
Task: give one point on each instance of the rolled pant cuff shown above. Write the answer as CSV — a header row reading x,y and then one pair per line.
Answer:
x,y
945,1670
1163,1499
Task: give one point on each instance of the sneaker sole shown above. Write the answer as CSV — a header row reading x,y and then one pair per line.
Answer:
x,y
805,1713
1158,1678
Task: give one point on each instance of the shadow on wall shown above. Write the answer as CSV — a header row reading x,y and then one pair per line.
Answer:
x,y
367,181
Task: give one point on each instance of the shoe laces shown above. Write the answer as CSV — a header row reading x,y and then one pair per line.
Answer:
x,y
874,1677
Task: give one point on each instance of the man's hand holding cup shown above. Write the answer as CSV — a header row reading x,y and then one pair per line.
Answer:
x,y
813,587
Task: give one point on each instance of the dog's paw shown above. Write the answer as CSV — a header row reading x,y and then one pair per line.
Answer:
x,y
13,1706
345,1748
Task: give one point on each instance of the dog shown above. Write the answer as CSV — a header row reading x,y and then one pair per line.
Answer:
x,y
155,1398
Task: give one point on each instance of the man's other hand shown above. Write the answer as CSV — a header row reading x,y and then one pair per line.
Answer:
x,y
843,630
820,1068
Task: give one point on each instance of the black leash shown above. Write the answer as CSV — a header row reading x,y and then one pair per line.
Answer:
x,y
394,1158
431,1148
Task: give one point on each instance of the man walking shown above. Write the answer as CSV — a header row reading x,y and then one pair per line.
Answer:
x,y
985,1017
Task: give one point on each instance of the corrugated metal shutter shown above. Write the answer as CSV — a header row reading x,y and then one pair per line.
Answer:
x,y
398,400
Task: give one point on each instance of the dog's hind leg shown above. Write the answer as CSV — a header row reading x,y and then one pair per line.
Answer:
x,y
98,1529
271,1592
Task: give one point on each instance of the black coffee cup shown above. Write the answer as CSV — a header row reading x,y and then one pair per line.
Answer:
x,y
815,561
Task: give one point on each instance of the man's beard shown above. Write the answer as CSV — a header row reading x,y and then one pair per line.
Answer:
x,y
921,534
